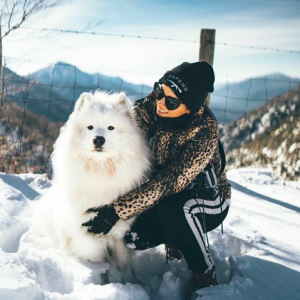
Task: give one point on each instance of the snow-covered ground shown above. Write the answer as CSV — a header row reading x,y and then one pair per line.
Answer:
x,y
257,257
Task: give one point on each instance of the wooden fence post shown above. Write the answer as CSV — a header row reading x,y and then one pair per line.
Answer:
x,y
207,49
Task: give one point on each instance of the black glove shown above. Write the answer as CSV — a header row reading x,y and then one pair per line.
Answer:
x,y
104,221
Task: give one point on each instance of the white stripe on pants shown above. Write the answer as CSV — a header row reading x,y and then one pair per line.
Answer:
x,y
195,225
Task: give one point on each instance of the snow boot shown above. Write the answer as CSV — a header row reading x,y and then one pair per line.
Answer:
x,y
202,280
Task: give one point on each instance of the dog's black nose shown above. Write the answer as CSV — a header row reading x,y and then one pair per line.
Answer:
x,y
99,141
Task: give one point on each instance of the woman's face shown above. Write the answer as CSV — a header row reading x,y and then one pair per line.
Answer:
x,y
162,110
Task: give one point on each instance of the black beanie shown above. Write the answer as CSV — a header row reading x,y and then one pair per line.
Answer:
x,y
191,83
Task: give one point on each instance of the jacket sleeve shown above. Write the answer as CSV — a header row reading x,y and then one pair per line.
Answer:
x,y
143,111
179,173
224,186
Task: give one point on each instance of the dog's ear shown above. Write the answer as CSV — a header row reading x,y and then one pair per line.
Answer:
x,y
124,105
83,100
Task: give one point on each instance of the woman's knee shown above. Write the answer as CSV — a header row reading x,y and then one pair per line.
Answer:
x,y
168,209
171,217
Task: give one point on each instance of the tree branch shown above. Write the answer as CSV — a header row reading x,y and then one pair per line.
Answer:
x,y
12,12
15,12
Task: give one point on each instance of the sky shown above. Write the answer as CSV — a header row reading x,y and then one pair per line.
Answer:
x,y
261,23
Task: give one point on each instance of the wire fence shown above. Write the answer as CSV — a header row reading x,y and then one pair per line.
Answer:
x,y
258,117
157,38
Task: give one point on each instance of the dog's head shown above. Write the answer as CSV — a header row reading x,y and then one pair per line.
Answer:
x,y
101,124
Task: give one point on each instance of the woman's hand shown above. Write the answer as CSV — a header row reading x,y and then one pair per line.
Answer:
x,y
104,221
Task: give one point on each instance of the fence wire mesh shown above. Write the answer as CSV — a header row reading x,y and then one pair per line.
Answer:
x,y
258,117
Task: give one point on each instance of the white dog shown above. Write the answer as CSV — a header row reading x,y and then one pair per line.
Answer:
x,y
87,176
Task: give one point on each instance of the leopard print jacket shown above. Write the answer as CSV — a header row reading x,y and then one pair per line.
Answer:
x,y
179,156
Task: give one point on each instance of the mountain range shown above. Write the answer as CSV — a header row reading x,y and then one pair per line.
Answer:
x,y
267,136
53,90
232,101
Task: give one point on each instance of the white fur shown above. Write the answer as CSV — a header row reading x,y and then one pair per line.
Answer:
x,y
84,178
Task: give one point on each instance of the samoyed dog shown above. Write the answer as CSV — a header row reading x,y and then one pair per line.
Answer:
x,y
89,174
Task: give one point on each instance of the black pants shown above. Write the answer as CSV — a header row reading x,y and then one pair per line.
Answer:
x,y
182,220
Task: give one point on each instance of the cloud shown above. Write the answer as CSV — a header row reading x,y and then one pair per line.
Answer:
x,y
256,23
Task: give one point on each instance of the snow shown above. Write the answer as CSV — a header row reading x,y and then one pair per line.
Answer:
x,y
257,257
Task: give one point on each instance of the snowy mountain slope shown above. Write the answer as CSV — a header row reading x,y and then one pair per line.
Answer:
x,y
26,140
257,257
267,137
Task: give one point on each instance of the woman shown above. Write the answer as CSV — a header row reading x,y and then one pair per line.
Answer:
x,y
188,194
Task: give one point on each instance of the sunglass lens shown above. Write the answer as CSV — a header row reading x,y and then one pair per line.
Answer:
x,y
172,103
158,92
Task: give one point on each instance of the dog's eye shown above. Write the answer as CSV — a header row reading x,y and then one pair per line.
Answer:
x,y
111,128
90,127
